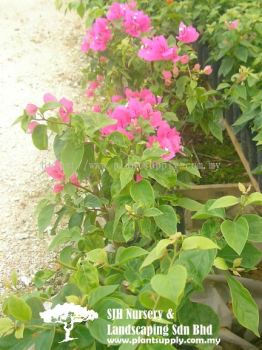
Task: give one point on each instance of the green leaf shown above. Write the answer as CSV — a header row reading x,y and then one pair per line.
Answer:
x,y
6,326
125,254
168,221
49,106
95,121
146,227
220,264
216,129
255,199
165,175
100,292
198,314
172,285
153,153
19,309
126,176
97,256
119,139
239,91
226,66
181,83
191,103
255,227
92,201
244,307
198,263
85,278
250,255
45,216
198,242
241,53
129,230
151,212
71,157
188,204
98,329
65,236
224,202
31,340
205,212
143,193
222,86
156,253
39,137
235,233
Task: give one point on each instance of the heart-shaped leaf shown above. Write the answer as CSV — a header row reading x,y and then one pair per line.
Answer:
x,y
172,285
235,233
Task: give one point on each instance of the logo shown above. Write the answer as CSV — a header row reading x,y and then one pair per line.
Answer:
x,y
68,314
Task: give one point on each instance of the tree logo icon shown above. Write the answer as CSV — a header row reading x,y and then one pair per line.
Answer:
x,y
68,314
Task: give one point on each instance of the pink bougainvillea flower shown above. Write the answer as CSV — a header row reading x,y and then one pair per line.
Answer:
x,y
166,74
136,23
129,93
85,45
93,85
147,96
156,120
101,35
74,180
90,93
65,110
139,177
168,139
31,109
187,34
157,49
184,59
49,98
96,108
103,59
58,188
56,171
135,107
122,115
175,71
132,5
116,11
197,67
207,70
233,25
112,128
31,126
116,98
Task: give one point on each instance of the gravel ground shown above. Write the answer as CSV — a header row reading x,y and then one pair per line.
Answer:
x,y
39,53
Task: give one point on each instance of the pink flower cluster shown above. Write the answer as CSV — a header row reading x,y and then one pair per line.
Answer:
x,y
157,49
233,24
98,36
188,34
141,104
56,172
134,23
65,110
94,85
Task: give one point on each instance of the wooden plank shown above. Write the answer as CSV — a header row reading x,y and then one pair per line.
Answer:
x,y
203,193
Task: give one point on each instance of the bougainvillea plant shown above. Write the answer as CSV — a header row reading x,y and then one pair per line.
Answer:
x,y
116,208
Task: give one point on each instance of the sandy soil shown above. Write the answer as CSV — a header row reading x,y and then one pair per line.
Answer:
x,y
39,53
